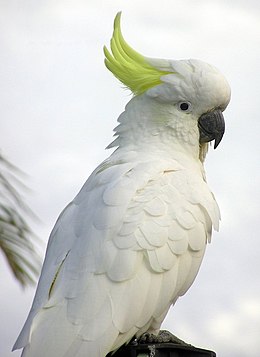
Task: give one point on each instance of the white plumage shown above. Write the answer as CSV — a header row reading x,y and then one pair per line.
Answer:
x,y
132,240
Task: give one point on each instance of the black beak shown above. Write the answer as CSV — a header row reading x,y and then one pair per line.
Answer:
x,y
211,127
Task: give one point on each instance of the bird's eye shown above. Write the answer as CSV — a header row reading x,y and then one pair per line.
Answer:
x,y
184,106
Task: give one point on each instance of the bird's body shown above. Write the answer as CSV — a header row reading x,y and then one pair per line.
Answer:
x,y
132,240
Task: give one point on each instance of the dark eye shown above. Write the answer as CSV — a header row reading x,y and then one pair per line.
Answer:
x,y
184,106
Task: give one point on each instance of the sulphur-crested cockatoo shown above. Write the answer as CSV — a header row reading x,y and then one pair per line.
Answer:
x,y
132,240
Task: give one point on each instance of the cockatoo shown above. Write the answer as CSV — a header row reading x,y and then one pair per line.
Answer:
x,y
132,241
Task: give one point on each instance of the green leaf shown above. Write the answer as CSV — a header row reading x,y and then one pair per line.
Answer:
x,y
16,238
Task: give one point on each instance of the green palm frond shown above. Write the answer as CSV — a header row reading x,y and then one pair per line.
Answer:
x,y
16,237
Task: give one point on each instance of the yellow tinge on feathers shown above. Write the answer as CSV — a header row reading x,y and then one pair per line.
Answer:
x,y
129,66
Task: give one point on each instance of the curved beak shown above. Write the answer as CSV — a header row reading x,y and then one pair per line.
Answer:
x,y
211,127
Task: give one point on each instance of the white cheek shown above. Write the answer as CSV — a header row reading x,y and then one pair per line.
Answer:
x,y
188,134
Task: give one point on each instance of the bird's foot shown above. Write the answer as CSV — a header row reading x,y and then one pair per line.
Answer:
x,y
162,337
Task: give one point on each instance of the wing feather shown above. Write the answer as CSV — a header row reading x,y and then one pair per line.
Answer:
x,y
119,255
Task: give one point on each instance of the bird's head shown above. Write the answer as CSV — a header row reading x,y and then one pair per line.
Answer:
x,y
194,92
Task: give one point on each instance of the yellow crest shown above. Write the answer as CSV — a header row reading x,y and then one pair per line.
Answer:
x,y
129,66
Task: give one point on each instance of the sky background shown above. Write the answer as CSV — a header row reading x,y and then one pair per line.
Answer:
x,y
59,105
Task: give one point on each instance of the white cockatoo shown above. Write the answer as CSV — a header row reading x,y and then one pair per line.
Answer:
x,y
132,241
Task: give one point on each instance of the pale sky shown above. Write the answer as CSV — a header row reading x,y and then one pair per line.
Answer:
x,y
59,105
